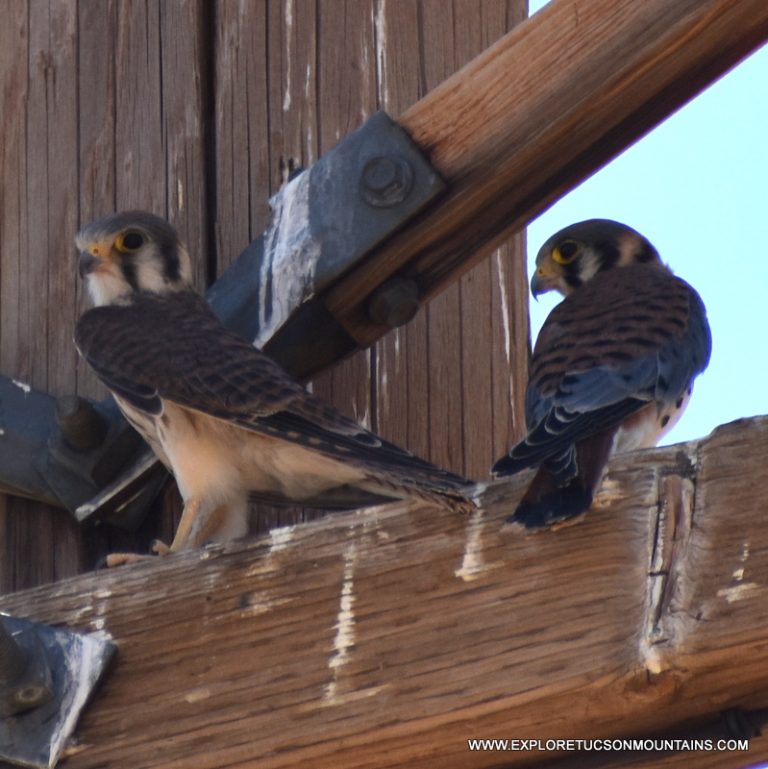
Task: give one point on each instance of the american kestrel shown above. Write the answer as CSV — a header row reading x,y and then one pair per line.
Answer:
x,y
613,366
222,416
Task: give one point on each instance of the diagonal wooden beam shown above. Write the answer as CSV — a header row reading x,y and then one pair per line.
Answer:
x,y
535,114
390,637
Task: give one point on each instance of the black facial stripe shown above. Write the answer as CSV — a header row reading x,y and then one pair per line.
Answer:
x,y
609,254
171,262
129,271
571,274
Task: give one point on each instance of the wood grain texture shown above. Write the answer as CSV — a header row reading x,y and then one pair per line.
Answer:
x,y
124,109
346,96
538,111
445,356
103,108
440,58
389,637
328,66
37,271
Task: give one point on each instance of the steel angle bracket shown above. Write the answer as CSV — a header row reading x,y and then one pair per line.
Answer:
x,y
324,222
47,677
62,451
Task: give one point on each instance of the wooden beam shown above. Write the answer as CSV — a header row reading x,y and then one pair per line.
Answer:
x,y
390,637
539,111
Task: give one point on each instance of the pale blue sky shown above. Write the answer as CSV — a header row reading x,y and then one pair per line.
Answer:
x,y
697,188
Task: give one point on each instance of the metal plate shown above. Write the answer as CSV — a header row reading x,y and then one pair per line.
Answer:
x,y
77,662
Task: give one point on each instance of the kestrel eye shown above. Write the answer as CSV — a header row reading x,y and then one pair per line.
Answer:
x,y
128,242
566,252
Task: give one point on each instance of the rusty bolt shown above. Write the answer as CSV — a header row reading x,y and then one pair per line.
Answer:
x,y
386,181
394,302
81,425
25,678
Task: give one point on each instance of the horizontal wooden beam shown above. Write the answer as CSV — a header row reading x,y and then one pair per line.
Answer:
x,y
538,112
390,637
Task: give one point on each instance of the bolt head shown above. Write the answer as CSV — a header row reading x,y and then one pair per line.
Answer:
x,y
31,695
31,685
386,180
81,425
394,302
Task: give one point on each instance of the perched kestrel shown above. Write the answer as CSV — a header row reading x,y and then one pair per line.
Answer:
x,y
613,366
222,416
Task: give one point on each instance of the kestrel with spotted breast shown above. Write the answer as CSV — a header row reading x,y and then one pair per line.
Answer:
x,y
613,366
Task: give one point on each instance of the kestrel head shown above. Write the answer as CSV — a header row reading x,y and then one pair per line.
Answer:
x,y
129,252
578,252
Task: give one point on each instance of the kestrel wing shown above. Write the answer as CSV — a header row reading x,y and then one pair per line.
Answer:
x,y
629,336
174,348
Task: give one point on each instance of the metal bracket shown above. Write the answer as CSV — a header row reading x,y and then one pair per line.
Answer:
x,y
324,222
62,451
47,676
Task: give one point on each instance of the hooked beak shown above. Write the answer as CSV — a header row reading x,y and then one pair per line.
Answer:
x,y
541,283
87,264
94,255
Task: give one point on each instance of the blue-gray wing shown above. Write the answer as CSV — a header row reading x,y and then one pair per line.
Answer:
x,y
628,337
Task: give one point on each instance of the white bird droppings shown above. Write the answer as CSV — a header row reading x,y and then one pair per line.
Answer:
x,y
473,564
197,695
290,257
280,538
737,592
504,307
23,386
288,55
345,623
